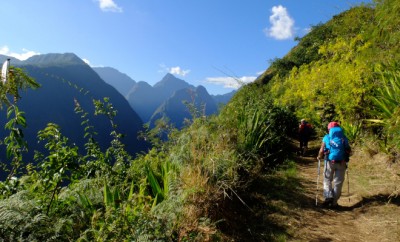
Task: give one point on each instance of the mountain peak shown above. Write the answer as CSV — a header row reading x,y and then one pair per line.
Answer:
x,y
171,80
55,59
201,89
169,75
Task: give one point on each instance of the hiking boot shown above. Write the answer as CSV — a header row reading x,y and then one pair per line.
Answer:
x,y
336,206
328,202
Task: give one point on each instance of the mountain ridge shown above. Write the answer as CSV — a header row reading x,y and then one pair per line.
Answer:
x,y
176,107
143,98
68,81
52,59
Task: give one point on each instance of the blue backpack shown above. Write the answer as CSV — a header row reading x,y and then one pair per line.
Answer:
x,y
337,145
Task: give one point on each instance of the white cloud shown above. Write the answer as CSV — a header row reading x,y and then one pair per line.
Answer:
x,y
231,82
21,56
86,61
282,24
178,71
109,6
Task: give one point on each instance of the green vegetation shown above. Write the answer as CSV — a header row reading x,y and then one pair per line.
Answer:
x,y
345,69
165,194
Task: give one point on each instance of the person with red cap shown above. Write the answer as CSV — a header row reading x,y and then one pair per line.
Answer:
x,y
333,124
305,130
336,149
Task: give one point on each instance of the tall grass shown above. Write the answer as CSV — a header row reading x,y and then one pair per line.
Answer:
x,y
387,107
352,131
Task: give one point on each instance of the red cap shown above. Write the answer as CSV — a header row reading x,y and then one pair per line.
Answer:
x,y
333,124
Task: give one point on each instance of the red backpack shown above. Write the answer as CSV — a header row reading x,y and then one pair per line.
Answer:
x,y
305,128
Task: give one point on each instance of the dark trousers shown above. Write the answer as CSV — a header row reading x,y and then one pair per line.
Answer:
x,y
303,142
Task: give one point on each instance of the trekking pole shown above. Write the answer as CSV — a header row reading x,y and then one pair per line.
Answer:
x,y
348,182
316,195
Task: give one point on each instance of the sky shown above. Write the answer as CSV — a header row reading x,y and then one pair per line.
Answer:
x,y
214,43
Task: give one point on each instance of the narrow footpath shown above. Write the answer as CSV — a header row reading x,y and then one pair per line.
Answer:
x,y
368,212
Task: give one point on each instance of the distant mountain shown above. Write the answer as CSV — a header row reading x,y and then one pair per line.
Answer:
x,y
145,99
170,84
65,78
223,98
122,82
54,59
176,109
148,101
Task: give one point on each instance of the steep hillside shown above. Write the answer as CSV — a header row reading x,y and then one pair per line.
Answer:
x,y
330,73
122,82
64,79
345,70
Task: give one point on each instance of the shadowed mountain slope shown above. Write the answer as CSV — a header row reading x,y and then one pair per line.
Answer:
x,y
122,82
64,79
176,108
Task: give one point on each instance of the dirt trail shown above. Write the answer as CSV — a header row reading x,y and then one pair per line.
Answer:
x,y
365,214
281,206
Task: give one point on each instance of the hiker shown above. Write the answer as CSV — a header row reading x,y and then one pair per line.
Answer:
x,y
336,149
304,135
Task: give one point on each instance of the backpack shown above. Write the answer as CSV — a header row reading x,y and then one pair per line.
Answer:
x,y
305,129
337,145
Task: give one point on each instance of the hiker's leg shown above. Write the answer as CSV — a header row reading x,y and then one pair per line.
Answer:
x,y
301,145
340,170
328,177
305,146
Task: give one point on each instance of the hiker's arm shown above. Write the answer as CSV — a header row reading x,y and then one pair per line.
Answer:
x,y
321,151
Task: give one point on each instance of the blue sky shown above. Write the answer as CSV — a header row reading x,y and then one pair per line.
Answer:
x,y
204,42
